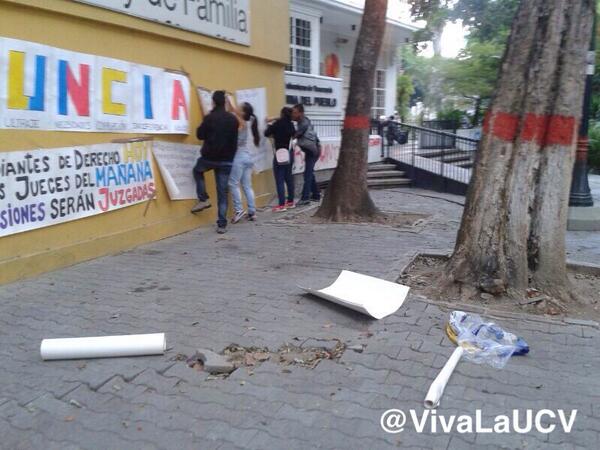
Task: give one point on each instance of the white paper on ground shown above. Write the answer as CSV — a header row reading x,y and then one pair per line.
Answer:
x,y
369,295
104,346
436,390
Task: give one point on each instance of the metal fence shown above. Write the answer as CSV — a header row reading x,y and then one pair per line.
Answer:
x,y
333,128
439,159
328,128
432,158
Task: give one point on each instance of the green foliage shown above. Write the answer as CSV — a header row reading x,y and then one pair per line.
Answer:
x,y
426,76
488,20
404,91
455,115
474,73
436,14
594,154
595,107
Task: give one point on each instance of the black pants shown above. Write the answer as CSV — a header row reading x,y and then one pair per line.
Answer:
x,y
310,188
283,178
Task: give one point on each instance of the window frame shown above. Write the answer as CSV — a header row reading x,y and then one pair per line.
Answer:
x,y
379,93
312,51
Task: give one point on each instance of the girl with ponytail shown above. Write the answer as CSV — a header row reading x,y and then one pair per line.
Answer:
x,y
243,163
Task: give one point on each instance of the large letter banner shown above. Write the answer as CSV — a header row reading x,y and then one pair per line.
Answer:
x,y
40,188
26,85
47,88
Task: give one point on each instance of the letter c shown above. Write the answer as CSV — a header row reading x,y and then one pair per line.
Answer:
x,y
110,76
538,421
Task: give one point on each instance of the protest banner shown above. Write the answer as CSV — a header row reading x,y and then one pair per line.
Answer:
x,y
44,187
48,88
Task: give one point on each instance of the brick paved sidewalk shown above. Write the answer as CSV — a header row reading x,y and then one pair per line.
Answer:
x,y
205,290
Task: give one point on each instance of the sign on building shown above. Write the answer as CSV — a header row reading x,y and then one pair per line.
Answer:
x,y
223,19
321,95
44,187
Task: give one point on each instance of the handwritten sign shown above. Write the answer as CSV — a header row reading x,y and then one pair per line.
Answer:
x,y
175,162
45,187
263,153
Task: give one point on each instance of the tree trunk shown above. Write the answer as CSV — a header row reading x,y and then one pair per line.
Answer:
x,y
436,38
347,198
512,234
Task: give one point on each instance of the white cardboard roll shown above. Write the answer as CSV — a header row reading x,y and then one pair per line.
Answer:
x,y
104,346
436,390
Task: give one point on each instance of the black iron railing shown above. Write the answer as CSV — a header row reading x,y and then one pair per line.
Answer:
x,y
446,159
439,159
333,128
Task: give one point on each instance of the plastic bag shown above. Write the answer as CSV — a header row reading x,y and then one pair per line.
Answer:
x,y
485,342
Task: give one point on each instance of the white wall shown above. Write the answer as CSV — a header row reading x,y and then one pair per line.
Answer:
x,y
345,53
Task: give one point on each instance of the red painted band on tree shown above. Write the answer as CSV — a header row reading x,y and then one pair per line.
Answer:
x,y
542,129
357,123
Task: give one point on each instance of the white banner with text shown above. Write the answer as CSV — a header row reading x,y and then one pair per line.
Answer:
x,y
44,187
47,88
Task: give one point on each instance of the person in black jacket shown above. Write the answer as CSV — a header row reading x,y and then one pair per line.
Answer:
x,y
308,141
219,133
282,131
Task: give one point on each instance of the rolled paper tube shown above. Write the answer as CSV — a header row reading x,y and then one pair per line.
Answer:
x,y
436,390
104,346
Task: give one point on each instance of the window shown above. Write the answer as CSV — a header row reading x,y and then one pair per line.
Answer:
x,y
345,85
378,108
300,45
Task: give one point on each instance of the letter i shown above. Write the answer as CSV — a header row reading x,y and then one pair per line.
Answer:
x,y
148,97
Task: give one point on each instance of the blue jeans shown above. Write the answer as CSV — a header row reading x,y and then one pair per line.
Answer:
x,y
222,170
310,188
283,174
241,172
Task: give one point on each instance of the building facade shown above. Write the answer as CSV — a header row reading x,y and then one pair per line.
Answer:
x,y
100,100
71,72
323,36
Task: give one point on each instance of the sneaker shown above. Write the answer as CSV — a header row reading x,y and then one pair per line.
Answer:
x,y
200,206
290,205
238,216
279,208
314,199
303,203
251,217
221,230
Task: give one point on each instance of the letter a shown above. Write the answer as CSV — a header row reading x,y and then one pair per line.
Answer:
x,y
178,101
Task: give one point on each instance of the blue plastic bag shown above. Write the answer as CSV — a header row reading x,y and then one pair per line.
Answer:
x,y
485,342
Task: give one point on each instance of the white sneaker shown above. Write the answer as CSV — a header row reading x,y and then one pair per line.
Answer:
x,y
238,216
201,205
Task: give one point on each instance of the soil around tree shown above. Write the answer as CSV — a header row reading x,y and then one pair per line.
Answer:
x,y
394,219
425,274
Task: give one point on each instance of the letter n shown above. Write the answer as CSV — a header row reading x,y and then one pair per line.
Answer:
x,y
68,86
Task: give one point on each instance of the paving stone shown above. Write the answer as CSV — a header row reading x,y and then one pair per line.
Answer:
x,y
213,362
243,290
